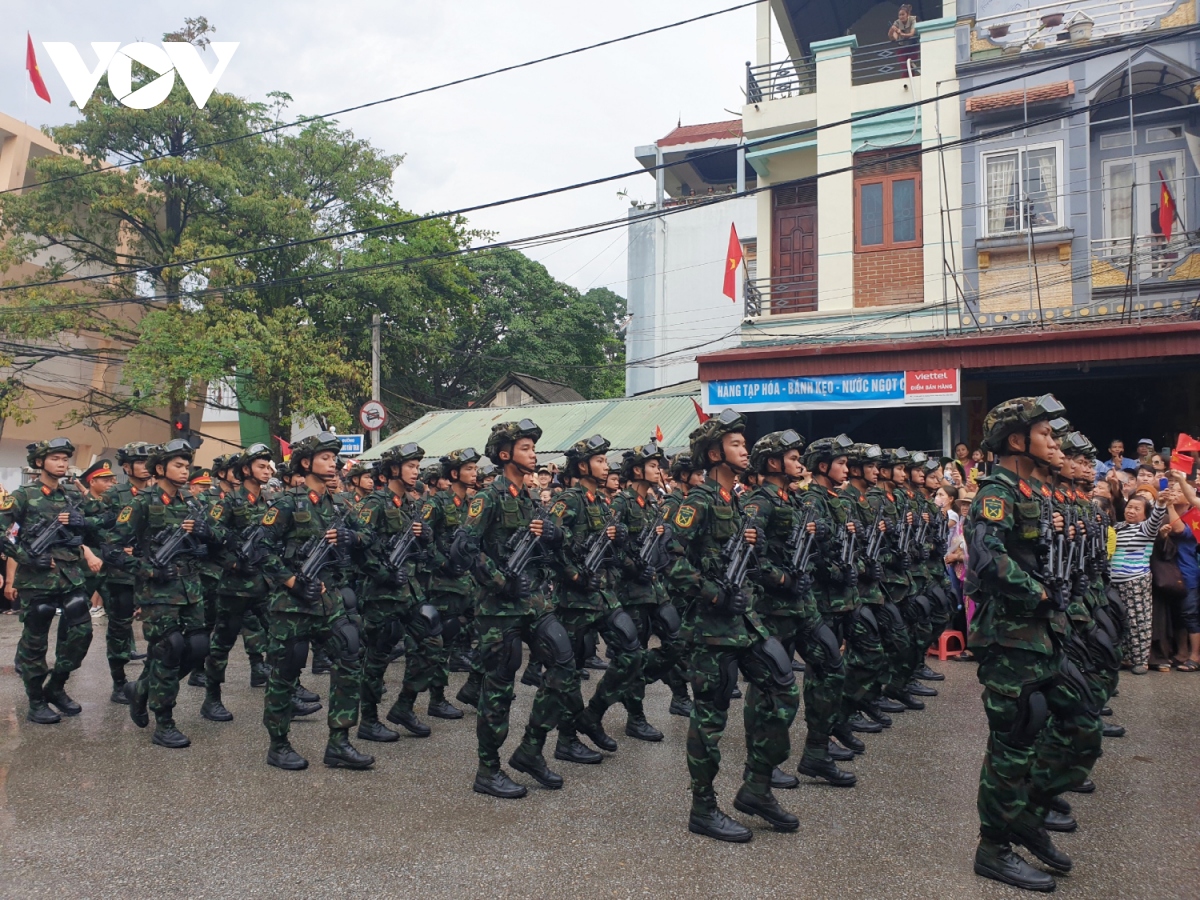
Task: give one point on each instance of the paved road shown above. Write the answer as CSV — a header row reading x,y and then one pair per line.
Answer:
x,y
90,808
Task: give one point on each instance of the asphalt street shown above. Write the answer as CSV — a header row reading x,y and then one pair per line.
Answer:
x,y
90,808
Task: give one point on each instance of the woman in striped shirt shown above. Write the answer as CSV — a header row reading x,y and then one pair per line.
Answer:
x,y
1131,572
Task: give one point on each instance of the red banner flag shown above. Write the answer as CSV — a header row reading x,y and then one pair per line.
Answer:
x,y
700,414
284,448
1166,208
31,66
1185,443
658,435
732,258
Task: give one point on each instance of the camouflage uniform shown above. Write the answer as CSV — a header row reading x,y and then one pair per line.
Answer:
x,y
897,587
866,662
47,585
118,585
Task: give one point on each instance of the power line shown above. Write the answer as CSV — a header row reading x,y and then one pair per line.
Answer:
x,y
627,174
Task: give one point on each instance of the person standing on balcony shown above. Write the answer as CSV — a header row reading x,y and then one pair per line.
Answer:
x,y
905,26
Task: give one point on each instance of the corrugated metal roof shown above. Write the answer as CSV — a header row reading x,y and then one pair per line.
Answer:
x,y
626,422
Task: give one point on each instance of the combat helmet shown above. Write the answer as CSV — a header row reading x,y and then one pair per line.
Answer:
x,y
41,449
861,454
639,456
176,448
456,459
509,433
137,451
582,451
681,466
710,432
1016,416
826,450
772,445
310,446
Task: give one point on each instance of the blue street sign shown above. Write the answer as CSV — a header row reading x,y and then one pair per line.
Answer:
x,y
352,444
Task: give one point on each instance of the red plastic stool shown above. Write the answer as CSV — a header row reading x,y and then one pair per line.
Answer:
x,y
943,650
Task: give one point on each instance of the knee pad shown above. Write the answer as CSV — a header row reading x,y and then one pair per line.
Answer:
x,y
1032,714
295,655
504,659
426,622
349,600
551,643
726,681
76,610
1102,651
924,607
451,629
828,646
345,641
38,617
621,633
1104,621
196,649
775,661
122,604
169,649
866,616
665,622
1070,676
890,619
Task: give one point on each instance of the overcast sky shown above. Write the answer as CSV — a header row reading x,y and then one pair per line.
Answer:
x,y
560,122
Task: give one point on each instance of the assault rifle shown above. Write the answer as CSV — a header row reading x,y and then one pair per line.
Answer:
x,y
50,533
179,542
523,547
251,553
598,548
402,549
318,552
1053,574
800,543
652,546
737,556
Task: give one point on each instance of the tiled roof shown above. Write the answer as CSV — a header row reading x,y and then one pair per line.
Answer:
x,y
1004,99
695,134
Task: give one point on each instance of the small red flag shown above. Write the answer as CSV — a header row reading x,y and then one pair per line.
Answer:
x,y
658,435
31,66
1186,444
284,448
700,414
732,258
1166,208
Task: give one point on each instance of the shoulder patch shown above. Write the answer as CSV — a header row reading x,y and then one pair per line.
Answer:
x,y
126,515
475,508
558,509
364,515
8,502
685,516
992,508
216,511
271,516
428,512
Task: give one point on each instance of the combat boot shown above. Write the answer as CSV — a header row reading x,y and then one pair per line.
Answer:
x,y
864,725
341,754
300,708
41,714
138,694
848,739
497,784
681,706
197,679
259,672
1056,821
754,798
1086,787
572,750
136,655
887,706
468,694
118,693
534,765
283,756
1058,804
57,697
306,695
998,861
637,727
927,674
1037,841
875,712
459,663
735,694
1113,731
707,819
167,735
532,675
780,780
907,700
595,662
826,769
321,663
838,753
371,729
440,707
404,716
212,708
589,724
920,690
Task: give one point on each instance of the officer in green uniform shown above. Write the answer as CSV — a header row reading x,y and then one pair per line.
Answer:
x,y
170,535
51,581
587,598
641,589
726,636
451,589
1043,719
788,607
942,601
208,489
930,589
97,481
241,594
307,604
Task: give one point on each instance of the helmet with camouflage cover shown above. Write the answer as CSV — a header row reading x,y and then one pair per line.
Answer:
x,y
38,451
1061,428
931,465
582,451
773,445
284,470
310,446
137,451
1075,444
681,466
711,432
456,459
916,461
897,456
359,468
505,433
176,448
220,464
862,454
1016,416
487,469
639,456
826,450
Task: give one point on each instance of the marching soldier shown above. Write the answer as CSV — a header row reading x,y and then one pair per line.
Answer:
x,y
170,534
727,636
937,585
507,544
310,544
53,569
1043,719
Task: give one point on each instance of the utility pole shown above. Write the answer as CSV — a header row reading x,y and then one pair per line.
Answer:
x,y
376,328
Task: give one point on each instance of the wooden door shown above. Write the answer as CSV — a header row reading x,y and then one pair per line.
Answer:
x,y
794,249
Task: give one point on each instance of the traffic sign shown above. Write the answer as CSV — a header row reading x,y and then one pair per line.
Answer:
x,y
352,444
373,415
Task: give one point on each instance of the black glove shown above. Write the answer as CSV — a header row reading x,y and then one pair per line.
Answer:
x,y
400,576
75,519
645,574
201,530
876,570
905,562
822,531
801,584
42,561
345,538
163,574
114,557
622,535
518,587
733,601
307,591
552,535
852,576
589,584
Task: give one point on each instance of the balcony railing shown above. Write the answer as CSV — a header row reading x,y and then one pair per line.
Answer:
x,y
884,62
1151,255
1037,27
772,81
780,295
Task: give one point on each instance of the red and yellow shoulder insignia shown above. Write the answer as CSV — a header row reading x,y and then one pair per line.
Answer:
x,y
46,491
686,515
314,496
512,489
475,508
726,496
1025,488
992,508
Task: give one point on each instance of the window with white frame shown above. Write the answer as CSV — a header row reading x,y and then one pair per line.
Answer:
x,y
1021,189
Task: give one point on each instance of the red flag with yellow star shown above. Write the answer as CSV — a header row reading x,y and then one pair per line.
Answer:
x,y
732,258
35,75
